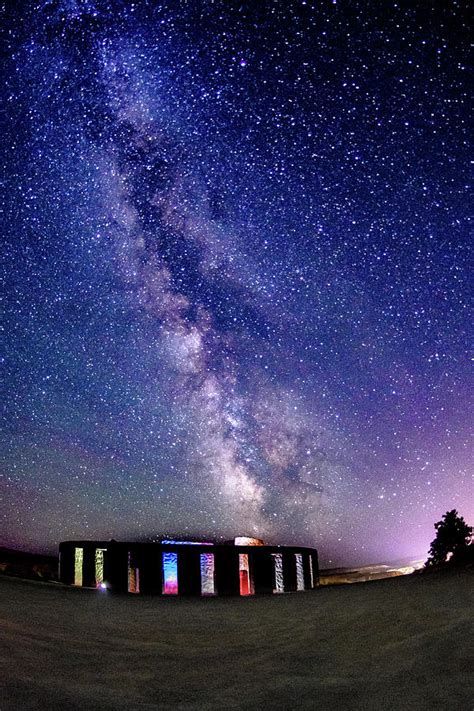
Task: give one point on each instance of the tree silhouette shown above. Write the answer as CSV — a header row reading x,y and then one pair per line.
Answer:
x,y
452,537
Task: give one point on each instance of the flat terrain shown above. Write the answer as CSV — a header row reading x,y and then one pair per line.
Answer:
x,y
401,643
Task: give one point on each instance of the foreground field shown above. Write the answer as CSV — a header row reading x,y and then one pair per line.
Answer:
x,y
401,643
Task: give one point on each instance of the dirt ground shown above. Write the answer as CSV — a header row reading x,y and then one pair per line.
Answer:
x,y
401,643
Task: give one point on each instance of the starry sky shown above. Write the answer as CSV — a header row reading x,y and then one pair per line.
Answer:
x,y
237,286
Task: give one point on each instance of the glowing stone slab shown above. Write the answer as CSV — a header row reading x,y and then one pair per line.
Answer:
x,y
279,582
299,572
170,573
78,560
99,566
133,576
246,582
311,574
207,574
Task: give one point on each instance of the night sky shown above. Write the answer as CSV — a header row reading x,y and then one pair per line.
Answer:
x,y
237,286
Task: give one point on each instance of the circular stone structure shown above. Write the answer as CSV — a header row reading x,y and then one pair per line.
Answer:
x,y
172,567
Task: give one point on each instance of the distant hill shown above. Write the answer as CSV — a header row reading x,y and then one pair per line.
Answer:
x,y
34,566
339,576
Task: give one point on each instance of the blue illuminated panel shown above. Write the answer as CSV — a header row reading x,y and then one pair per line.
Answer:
x,y
185,543
170,573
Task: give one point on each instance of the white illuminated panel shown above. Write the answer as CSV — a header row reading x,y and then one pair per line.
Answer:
x,y
99,566
279,582
78,560
299,572
208,586
311,574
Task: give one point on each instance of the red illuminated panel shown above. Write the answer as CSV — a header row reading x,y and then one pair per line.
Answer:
x,y
246,587
244,583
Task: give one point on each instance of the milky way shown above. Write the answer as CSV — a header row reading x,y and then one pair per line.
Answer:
x,y
236,274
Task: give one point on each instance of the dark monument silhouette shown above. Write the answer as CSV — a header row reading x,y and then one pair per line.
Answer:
x,y
242,567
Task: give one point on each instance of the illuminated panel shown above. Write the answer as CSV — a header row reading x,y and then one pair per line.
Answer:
x,y
299,572
208,586
246,583
133,576
185,543
278,563
99,566
311,574
170,573
78,560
